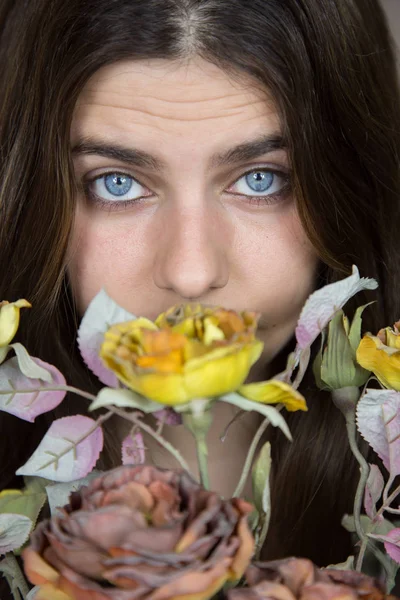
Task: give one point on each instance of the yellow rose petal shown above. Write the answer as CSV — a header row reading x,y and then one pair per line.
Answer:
x,y
392,338
274,392
38,571
220,372
50,592
187,328
383,361
212,333
9,320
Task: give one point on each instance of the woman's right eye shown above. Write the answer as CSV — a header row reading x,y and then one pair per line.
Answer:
x,y
116,187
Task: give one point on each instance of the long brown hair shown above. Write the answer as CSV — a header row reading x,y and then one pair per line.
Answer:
x,y
331,70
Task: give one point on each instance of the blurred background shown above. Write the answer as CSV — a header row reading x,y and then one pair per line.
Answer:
x,y
392,8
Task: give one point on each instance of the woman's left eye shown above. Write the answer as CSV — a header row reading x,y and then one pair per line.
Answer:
x,y
261,184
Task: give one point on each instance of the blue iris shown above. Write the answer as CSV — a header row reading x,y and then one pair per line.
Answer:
x,y
260,181
118,185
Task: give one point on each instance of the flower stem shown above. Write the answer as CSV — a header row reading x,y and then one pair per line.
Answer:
x,y
198,421
163,442
202,453
389,501
346,400
364,472
249,459
52,388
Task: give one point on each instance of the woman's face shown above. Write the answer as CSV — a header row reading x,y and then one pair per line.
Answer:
x,y
186,196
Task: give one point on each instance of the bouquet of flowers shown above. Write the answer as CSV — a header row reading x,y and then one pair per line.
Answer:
x,y
140,531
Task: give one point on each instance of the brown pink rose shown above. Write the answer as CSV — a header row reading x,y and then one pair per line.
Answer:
x,y
300,579
140,532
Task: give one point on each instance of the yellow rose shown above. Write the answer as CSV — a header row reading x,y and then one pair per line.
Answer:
x,y
381,355
9,319
188,352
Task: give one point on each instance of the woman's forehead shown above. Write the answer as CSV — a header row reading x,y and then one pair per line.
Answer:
x,y
195,100
197,79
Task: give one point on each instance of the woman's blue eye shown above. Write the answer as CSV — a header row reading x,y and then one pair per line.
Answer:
x,y
260,182
116,187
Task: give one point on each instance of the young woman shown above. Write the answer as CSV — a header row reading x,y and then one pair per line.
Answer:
x,y
231,152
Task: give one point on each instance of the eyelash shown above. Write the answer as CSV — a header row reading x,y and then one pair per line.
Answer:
x,y
267,200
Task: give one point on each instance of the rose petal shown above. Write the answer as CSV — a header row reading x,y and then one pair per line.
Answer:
x,y
324,591
197,585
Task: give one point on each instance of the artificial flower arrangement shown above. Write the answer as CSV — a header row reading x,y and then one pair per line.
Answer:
x,y
141,532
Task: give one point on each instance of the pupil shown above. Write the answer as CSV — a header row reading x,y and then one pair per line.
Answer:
x,y
259,181
118,185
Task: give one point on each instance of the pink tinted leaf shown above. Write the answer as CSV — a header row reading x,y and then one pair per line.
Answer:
x,y
168,416
14,531
101,313
373,490
325,302
370,422
391,542
391,419
27,398
68,451
133,450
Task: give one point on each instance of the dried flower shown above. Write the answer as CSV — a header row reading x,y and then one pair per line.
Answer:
x,y
381,355
9,319
293,578
336,366
140,532
189,352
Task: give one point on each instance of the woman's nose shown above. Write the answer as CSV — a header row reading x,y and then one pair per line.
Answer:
x,y
192,252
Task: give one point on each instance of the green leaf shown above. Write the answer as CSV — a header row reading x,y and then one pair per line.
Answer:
x,y
337,368
260,479
28,502
274,416
124,399
262,494
253,519
381,527
28,367
355,329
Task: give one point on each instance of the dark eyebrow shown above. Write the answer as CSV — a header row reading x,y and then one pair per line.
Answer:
x,y
243,152
249,150
139,158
